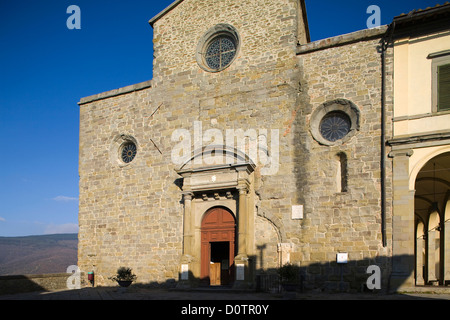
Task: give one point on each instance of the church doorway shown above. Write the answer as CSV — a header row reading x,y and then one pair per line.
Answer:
x,y
218,232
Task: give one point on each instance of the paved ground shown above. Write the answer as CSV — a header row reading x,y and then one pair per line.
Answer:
x,y
170,304
138,293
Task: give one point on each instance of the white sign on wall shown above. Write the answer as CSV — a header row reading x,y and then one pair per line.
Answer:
x,y
342,257
297,212
184,272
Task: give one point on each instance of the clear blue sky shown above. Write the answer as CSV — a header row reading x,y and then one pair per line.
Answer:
x,y
45,69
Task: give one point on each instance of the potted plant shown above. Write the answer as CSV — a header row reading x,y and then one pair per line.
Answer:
x,y
289,276
124,277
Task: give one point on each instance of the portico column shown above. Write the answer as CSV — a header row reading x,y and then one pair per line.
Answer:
x,y
447,249
419,260
431,257
402,223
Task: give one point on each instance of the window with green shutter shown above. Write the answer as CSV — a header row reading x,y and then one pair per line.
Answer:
x,y
443,87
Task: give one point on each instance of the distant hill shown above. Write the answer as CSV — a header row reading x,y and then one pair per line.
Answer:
x,y
38,254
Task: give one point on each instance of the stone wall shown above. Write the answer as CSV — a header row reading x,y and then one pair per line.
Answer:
x,y
132,215
128,215
343,220
29,283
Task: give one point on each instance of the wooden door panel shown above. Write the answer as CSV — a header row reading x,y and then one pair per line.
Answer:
x,y
218,225
214,274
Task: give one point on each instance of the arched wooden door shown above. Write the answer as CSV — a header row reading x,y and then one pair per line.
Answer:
x,y
218,247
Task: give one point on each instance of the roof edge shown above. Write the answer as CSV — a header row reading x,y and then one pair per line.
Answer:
x,y
420,13
164,12
305,20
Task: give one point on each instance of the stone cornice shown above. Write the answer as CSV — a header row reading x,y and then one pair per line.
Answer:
x,y
420,140
362,35
116,92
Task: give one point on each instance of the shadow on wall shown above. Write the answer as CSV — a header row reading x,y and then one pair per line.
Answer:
x,y
350,277
329,277
29,283
19,284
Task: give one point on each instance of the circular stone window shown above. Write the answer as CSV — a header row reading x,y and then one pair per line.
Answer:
x,y
335,126
334,122
218,48
123,150
128,152
220,53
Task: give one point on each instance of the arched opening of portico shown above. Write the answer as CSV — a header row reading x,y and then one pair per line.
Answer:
x,y
432,221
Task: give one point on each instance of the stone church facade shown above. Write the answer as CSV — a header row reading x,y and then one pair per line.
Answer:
x,y
251,147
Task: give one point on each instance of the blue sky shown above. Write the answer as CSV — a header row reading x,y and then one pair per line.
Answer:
x,y
45,69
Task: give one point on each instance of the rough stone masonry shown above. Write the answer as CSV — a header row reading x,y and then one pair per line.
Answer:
x,y
134,214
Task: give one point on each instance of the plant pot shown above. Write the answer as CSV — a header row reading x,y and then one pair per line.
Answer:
x,y
124,283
